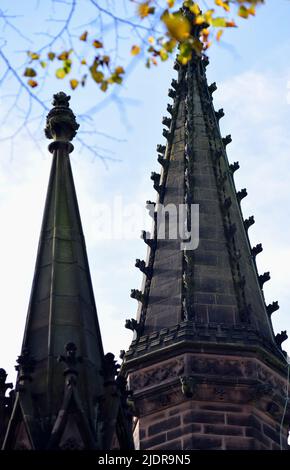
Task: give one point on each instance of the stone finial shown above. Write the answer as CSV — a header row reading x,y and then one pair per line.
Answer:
x,y
61,122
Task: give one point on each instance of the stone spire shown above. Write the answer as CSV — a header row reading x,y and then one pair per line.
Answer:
x,y
63,396
204,308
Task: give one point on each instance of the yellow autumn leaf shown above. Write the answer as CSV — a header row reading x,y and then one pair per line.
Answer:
x,y
163,55
219,22
219,35
231,24
29,72
32,83
60,73
144,9
135,50
33,55
193,8
252,10
73,83
83,62
106,59
64,55
96,74
104,85
43,64
243,12
97,44
199,19
51,55
151,40
208,16
185,52
224,4
83,37
177,25
170,3
119,70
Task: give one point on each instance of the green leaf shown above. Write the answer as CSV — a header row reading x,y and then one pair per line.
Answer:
x,y
219,22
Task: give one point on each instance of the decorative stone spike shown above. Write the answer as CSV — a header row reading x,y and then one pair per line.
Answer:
x,y
166,133
212,88
264,278
249,222
163,162
176,65
227,204
137,295
171,93
150,206
149,241
25,366
234,167
227,140
174,84
231,230
122,354
156,179
241,194
280,338
170,109
3,385
256,250
147,270
161,148
219,114
133,325
271,308
166,121
205,61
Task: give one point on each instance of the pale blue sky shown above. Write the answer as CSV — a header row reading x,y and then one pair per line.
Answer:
x,y
251,67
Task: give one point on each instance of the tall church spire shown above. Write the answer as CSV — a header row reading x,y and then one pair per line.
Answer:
x,y
204,349
66,393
